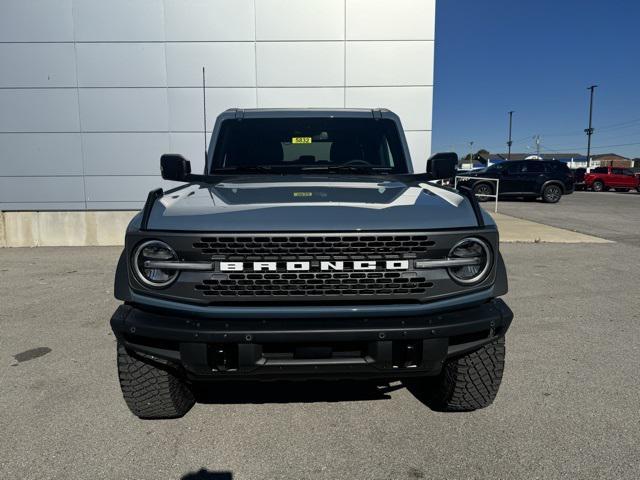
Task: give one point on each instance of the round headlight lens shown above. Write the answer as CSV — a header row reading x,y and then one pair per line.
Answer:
x,y
148,252
479,253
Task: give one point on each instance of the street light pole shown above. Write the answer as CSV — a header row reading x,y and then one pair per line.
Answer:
x,y
589,131
509,143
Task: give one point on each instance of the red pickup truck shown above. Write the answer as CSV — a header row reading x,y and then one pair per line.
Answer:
x,y
601,179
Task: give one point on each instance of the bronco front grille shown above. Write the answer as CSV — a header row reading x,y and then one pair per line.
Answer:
x,y
347,283
313,247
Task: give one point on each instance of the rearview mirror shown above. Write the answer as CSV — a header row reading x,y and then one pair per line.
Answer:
x,y
174,167
442,165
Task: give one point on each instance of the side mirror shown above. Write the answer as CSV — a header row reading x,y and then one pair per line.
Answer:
x,y
174,167
442,165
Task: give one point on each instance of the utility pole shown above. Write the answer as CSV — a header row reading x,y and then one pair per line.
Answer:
x,y
589,131
471,152
509,143
537,139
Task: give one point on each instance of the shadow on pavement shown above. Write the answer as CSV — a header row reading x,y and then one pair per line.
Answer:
x,y
292,391
204,474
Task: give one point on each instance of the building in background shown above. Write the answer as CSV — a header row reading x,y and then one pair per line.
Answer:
x,y
92,92
611,160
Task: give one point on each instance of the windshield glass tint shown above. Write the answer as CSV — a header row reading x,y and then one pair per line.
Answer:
x,y
298,144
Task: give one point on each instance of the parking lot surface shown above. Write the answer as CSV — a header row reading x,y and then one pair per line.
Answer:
x,y
610,215
568,406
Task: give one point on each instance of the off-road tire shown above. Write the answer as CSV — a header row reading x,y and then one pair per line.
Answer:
x,y
551,193
483,188
466,383
151,391
598,186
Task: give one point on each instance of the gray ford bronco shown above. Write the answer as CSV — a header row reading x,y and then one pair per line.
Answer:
x,y
309,249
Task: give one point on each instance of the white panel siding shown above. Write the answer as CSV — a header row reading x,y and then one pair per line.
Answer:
x,y
412,104
40,154
209,20
185,105
389,63
124,153
121,65
300,20
118,20
42,65
385,20
325,97
41,189
36,21
300,64
92,92
39,110
227,64
124,110
420,147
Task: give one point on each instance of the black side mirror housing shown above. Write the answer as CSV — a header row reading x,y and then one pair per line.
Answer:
x,y
442,165
175,167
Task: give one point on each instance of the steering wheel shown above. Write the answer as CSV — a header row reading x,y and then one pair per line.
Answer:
x,y
356,162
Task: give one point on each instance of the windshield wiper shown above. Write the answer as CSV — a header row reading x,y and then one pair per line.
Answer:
x,y
347,168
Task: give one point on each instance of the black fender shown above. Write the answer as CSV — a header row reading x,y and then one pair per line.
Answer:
x,y
501,285
121,283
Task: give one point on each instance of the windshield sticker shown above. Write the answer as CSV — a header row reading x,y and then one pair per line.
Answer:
x,y
302,194
301,140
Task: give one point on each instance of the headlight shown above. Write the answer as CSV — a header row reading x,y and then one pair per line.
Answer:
x,y
479,255
154,251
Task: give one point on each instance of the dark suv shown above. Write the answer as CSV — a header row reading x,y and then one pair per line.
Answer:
x,y
548,179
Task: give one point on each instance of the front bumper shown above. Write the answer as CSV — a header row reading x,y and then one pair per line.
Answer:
x,y
326,347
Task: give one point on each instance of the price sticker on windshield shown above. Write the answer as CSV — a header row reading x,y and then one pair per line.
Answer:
x,y
302,140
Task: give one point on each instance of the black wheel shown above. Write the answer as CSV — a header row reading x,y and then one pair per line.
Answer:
x,y
551,193
598,186
482,189
151,391
466,383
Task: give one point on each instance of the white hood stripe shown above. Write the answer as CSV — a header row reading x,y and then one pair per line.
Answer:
x,y
449,197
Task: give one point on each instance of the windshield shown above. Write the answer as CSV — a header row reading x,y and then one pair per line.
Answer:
x,y
309,145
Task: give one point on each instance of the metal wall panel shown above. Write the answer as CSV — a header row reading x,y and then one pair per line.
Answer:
x,y
209,20
124,153
295,20
121,65
118,20
39,110
36,21
124,110
40,154
93,92
228,64
39,65
300,64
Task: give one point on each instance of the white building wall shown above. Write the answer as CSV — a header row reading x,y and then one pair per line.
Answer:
x,y
93,91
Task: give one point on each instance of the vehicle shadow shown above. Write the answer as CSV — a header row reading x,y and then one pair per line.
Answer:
x,y
248,392
204,474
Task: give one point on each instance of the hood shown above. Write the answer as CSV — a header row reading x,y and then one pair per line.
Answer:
x,y
252,203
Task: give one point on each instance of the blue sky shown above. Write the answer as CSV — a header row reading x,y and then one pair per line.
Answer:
x,y
537,58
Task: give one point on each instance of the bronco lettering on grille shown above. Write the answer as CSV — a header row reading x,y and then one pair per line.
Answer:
x,y
323,266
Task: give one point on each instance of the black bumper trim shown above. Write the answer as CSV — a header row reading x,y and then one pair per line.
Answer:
x,y
188,341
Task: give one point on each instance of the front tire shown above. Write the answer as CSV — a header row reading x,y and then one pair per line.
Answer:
x,y
551,193
598,186
466,383
151,391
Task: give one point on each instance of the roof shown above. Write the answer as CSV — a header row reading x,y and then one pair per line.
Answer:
x,y
307,112
608,156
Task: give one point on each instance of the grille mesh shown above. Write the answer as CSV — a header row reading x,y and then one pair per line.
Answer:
x,y
312,247
325,283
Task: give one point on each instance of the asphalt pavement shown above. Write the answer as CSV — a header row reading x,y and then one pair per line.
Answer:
x,y
568,406
611,215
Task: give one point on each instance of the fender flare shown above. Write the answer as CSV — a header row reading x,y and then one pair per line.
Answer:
x,y
121,282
